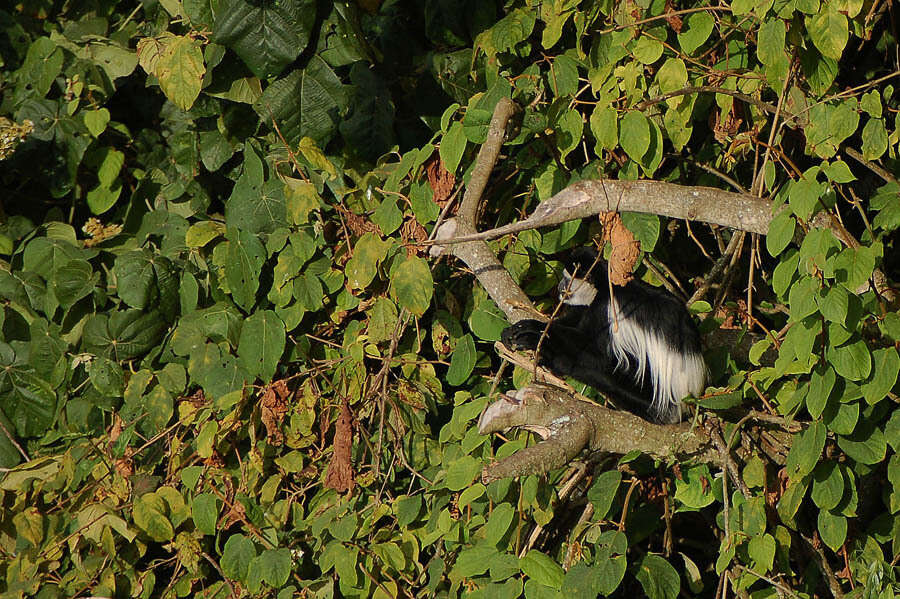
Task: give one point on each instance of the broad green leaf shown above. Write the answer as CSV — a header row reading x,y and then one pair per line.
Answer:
x,y
884,375
462,472
866,445
96,121
246,255
124,335
498,523
275,566
512,29
541,568
304,103
647,50
672,75
267,36
569,130
149,515
201,233
564,76
261,344
603,492
781,232
694,487
874,139
28,400
42,65
851,360
604,126
696,29
832,528
805,451
107,376
412,285
821,383
828,30
761,550
73,281
473,561
462,361
634,135
453,144
854,266
236,557
658,578
828,485
368,253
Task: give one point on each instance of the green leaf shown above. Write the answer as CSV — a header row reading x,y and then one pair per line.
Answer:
x,y
512,29
647,50
462,472
498,523
412,285
124,335
828,485
672,75
43,63
821,383
854,266
274,566
388,216
832,529
305,103
603,492
453,144
73,281
267,36
261,344
107,376
828,30
564,76
604,126
236,557
874,139
851,360
884,376
472,561
201,233
487,321
205,513
611,563
644,227
28,400
805,451
866,445
462,362
541,568
149,515
658,578
96,121
694,487
180,70
695,31
634,135
368,253
781,232
246,255
568,131
761,550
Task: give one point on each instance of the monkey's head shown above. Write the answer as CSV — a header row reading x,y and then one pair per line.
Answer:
x,y
584,274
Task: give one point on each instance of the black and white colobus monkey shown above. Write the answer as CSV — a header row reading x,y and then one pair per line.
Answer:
x,y
640,346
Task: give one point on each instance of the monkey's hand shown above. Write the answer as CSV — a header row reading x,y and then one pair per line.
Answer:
x,y
525,334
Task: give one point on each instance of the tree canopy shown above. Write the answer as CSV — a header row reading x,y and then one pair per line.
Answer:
x,y
233,361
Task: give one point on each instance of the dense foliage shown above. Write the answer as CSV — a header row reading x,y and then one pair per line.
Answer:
x,y
228,368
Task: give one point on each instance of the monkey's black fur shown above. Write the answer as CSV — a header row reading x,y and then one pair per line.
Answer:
x,y
642,349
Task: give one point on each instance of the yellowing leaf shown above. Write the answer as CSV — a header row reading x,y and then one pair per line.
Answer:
x,y
180,71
